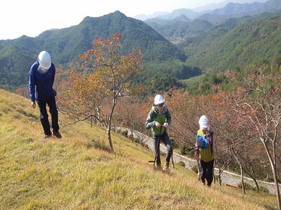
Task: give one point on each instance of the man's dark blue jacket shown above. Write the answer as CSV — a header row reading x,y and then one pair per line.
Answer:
x,y
41,84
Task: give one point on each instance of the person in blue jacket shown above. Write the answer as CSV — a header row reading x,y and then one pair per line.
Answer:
x,y
41,80
158,120
205,153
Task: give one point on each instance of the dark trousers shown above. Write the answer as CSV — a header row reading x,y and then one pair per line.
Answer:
x,y
206,171
166,140
44,115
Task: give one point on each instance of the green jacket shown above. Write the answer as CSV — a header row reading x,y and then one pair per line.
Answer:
x,y
153,116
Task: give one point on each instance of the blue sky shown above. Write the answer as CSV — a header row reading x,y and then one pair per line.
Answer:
x,y
32,17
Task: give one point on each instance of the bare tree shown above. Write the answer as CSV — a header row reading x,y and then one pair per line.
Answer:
x,y
258,103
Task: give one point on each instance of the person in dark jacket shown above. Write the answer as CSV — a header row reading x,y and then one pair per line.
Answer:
x,y
41,80
158,120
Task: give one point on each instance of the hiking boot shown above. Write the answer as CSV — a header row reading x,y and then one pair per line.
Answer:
x,y
166,167
157,166
203,182
48,136
57,134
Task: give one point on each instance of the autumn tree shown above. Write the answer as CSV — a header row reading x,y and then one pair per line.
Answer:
x,y
23,91
99,80
244,148
130,114
258,103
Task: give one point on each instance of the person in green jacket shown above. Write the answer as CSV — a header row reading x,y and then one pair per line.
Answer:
x,y
206,155
158,120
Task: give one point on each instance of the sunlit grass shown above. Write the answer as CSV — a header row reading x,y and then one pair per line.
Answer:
x,y
79,172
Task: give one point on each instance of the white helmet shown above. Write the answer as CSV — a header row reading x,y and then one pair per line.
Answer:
x,y
204,123
158,99
44,59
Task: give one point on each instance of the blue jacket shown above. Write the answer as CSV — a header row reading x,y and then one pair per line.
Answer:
x,y
41,84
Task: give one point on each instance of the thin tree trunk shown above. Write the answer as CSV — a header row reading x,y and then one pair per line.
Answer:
x,y
219,176
242,178
109,123
256,183
241,171
109,137
274,172
273,167
277,188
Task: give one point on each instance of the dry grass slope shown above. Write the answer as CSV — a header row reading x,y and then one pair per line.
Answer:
x,y
78,172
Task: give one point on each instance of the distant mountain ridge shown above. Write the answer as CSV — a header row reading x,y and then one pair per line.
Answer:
x,y
181,48
214,6
166,24
200,10
236,43
229,10
239,10
65,45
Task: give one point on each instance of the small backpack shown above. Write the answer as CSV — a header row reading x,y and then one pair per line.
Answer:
x,y
201,141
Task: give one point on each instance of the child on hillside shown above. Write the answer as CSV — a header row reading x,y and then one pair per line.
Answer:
x,y
206,155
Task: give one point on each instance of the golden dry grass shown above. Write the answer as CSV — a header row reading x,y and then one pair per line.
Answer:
x,y
79,172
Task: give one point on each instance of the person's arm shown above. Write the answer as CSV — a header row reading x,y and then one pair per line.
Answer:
x,y
196,151
54,73
149,123
168,117
31,86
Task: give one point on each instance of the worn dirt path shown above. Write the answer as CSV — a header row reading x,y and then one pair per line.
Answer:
x,y
228,178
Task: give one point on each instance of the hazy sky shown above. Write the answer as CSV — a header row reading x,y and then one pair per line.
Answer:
x,y
32,17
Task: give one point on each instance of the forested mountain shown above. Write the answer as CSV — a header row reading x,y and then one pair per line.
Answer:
x,y
231,10
66,44
166,24
178,31
233,44
208,48
228,11
238,10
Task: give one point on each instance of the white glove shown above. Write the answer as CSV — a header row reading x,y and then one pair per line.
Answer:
x,y
157,124
165,125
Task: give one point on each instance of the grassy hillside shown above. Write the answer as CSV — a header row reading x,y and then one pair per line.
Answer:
x,y
78,172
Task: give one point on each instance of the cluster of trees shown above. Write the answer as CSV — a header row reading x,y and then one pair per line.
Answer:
x,y
11,74
234,44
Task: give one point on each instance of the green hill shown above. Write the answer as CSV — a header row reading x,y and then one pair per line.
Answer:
x,y
78,172
233,44
65,45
